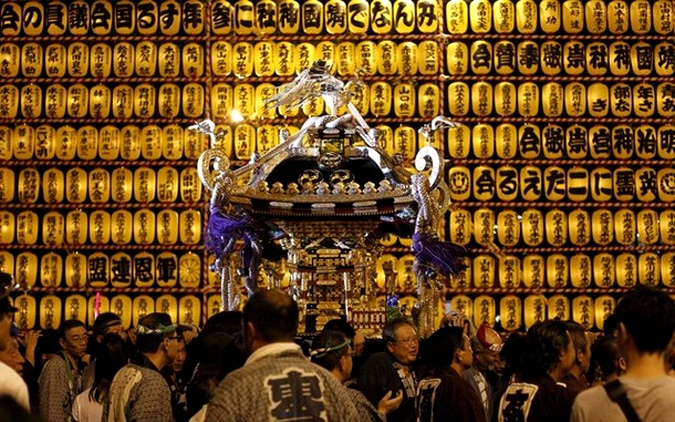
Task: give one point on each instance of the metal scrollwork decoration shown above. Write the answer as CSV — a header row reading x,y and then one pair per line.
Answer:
x,y
302,189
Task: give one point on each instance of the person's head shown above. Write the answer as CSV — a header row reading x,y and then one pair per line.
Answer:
x,y
179,360
12,357
548,350
156,334
212,346
340,325
646,320
611,326
606,361
7,285
108,323
270,316
47,346
345,328
402,340
226,321
73,338
233,356
487,346
512,351
582,346
113,355
332,351
6,316
448,346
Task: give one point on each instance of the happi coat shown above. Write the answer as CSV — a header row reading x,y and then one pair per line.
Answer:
x,y
279,383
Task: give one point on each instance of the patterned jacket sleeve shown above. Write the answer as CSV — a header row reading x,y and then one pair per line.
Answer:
x,y
367,412
54,391
220,407
352,405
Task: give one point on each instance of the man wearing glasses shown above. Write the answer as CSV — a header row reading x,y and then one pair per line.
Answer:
x,y
12,384
138,391
332,350
391,370
61,379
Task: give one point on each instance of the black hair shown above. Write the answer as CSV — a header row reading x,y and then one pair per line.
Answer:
x,y
512,351
102,324
149,343
68,325
105,321
181,329
389,330
225,321
273,313
545,342
439,350
604,356
47,344
611,325
328,339
578,333
234,355
340,325
201,388
649,316
212,346
113,354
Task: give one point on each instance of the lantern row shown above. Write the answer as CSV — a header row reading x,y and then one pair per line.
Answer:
x,y
171,142
574,99
78,101
99,270
579,227
52,310
99,186
242,60
527,99
121,227
598,142
109,143
267,17
604,270
513,311
267,59
483,99
102,60
554,183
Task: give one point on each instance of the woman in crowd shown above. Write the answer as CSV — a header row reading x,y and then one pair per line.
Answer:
x,y
113,355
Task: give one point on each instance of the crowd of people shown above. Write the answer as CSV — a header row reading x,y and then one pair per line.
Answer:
x,y
250,366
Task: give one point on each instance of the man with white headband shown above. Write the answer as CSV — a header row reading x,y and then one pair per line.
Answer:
x,y
139,392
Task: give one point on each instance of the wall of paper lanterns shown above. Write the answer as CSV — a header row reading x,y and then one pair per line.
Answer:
x,y
560,169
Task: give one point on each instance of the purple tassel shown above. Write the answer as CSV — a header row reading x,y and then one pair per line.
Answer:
x,y
223,231
448,257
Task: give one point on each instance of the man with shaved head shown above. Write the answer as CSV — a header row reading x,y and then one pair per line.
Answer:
x,y
277,382
486,347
